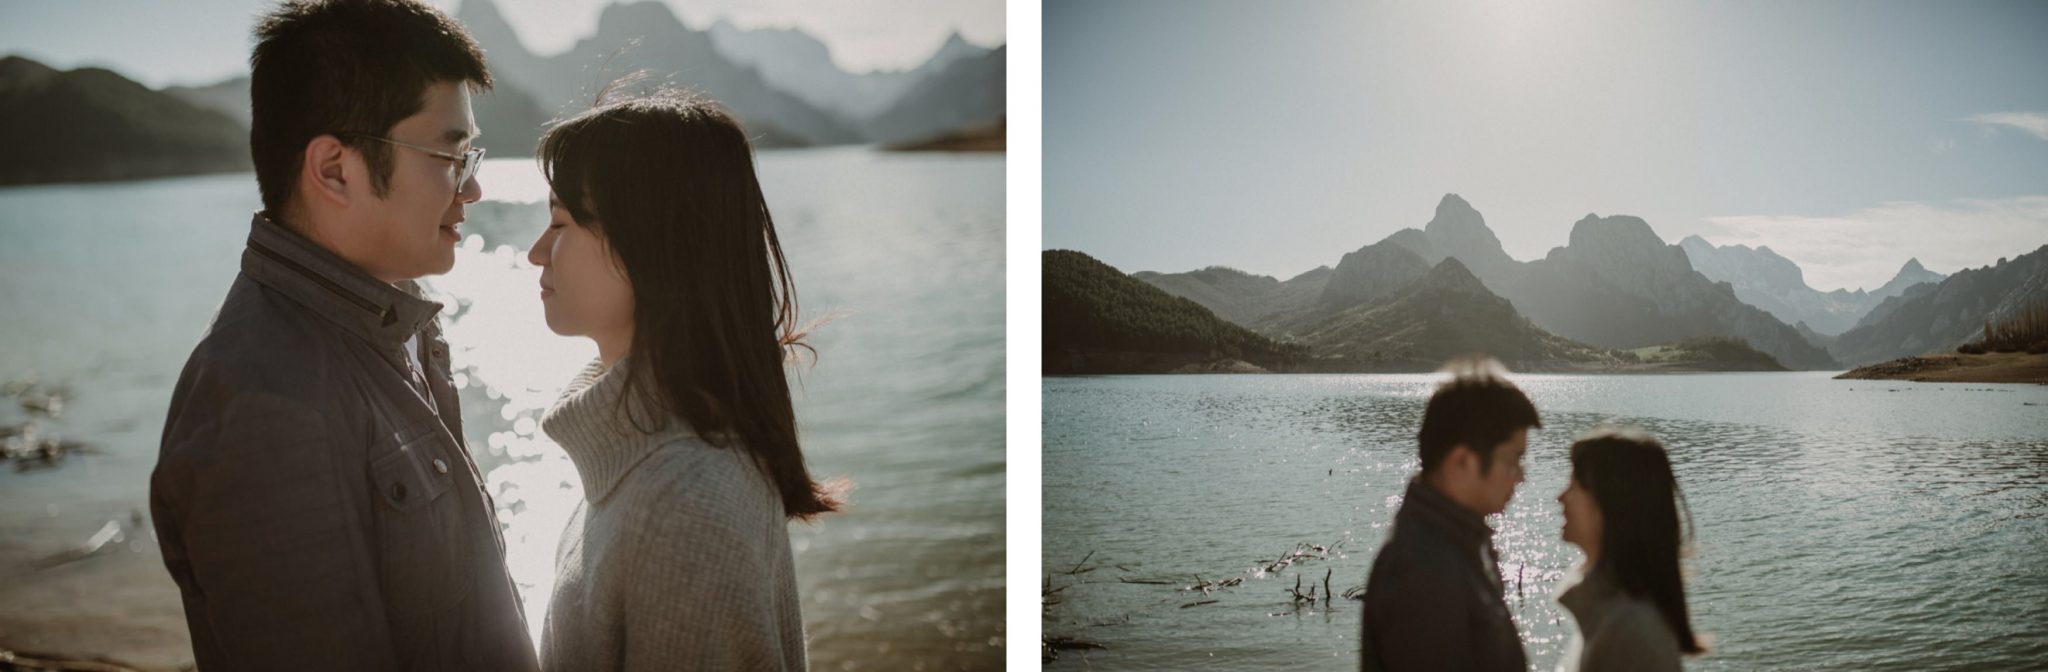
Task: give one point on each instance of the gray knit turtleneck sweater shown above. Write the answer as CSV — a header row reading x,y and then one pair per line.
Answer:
x,y
678,559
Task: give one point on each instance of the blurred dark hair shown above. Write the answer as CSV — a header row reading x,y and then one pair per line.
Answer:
x,y
667,181
1630,478
346,66
1477,407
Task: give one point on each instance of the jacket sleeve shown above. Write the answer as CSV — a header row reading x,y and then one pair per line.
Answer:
x,y
705,584
1416,621
265,527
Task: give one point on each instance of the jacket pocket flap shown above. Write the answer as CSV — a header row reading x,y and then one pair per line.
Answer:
x,y
414,473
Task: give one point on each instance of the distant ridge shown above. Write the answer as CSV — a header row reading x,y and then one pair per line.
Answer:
x,y
1936,318
1763,279
1099,320
90,125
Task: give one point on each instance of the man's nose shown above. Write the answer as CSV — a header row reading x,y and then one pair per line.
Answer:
x,y
472,191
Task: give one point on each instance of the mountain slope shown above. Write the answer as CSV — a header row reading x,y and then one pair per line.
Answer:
x,y
1445,313
967,92
1937,318
1766,280
794,61
1372,273
1249,300
1617,284
1097,319
648,36
91,124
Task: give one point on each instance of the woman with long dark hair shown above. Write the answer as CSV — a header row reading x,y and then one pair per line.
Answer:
x,y
1621,508
660,249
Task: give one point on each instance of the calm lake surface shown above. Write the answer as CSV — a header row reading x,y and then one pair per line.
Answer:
x,y
1840,525
104,289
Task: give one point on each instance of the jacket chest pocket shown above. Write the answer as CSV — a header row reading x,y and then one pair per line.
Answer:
x,y
420,536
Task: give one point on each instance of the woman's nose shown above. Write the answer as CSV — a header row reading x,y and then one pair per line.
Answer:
x,y
535,254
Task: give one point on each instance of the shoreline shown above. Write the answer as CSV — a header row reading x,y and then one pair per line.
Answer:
x,y
1996,367
1126,363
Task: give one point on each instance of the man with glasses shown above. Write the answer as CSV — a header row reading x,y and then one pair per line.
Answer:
x,y
313,495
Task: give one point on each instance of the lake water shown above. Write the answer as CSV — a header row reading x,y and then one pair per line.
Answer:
x,y
1840,525
105,288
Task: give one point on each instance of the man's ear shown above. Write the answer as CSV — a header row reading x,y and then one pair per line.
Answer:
x,y
1461,460
324,174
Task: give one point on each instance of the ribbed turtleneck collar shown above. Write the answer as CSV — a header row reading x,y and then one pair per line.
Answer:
x,y
587,423
1587,592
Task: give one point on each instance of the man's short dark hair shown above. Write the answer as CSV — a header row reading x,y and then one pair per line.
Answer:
x,y
1477,407
346,66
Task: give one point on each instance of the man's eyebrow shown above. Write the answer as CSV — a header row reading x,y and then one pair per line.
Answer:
x,y
456,136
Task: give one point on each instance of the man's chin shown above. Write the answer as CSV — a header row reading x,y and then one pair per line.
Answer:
x,y
443,262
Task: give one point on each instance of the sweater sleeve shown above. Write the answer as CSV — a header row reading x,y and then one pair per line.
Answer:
x,y
1633,638
702,594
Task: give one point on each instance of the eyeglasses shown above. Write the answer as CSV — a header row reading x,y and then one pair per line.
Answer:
x,y
470,160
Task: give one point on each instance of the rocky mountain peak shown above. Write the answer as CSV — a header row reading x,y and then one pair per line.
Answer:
x,y
16,71
1909,275
1452,274
1742,266
1620,233
1373,272
639,18
1456,222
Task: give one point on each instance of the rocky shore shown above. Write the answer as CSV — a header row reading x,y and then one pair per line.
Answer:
x,y
1998,367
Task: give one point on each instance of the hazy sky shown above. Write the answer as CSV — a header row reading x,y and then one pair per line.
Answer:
x,y
203,41
1276,136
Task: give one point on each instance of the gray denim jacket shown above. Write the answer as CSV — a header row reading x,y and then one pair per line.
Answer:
x,y
314,511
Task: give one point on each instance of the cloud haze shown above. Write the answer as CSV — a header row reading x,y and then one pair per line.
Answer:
x,y
1866,247
2032,123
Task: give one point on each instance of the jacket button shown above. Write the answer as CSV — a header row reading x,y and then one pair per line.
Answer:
x,y
440,466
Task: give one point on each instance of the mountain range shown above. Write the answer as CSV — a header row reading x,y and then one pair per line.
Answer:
x,y
781,83
1420,321
795,61
1763,279
1442,313
92,124
1615,284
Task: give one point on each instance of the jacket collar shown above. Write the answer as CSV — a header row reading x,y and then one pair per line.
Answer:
x,y
603,444
1433,506
283,260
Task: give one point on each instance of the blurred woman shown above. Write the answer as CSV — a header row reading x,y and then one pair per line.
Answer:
x,y
1621,509
660,248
